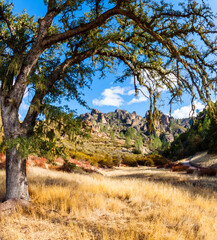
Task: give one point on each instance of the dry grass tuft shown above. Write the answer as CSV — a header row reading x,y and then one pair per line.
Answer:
x,y
84,207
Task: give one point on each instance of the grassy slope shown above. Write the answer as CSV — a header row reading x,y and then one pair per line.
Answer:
x,y
83,207
205,160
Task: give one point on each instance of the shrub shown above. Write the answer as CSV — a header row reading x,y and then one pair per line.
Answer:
x,y
136,151
116,160
122,135
155,143
127,142
68,166
144,161
130,161
190,171
207,172
108,161
131,132
179,168
139,143
112,135
157,160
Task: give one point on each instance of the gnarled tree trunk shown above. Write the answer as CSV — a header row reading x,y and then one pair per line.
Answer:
x,y
16,180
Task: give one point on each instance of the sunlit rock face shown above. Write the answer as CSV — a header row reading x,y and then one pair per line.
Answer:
x,y
166,127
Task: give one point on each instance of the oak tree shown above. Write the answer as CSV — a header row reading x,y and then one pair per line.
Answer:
x,y
56,55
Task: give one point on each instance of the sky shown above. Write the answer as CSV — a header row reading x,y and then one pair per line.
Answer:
x,y
104,94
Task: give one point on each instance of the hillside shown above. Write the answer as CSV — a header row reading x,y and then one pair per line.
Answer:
x,y
123,131
200,137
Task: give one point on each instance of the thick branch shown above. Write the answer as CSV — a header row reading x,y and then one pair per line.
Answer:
x,y
32,56
56,75
49,41
11,29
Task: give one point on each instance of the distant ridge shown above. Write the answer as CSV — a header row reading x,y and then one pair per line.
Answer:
x,y
167,128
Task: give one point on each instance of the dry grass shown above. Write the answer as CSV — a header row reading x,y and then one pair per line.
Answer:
x,y
205,160
83,207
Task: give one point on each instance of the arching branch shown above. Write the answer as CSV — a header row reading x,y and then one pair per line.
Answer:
x,y
7,21
56,75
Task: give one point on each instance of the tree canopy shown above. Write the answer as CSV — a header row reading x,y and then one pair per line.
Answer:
x,y
56,55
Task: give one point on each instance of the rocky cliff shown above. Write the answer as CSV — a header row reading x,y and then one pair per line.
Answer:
x,y
119,121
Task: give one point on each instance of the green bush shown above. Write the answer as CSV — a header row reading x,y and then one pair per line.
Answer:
x,y
127,142
129,160
139,143
136,151
131,132
155,143
109,161
157,160
68,166
144,161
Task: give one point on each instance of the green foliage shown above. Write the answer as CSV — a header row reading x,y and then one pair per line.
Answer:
x,y
149,160
112,135
139,143
165,144
131,133
136,151
128,142
47,136
155,142
104,129
130,160
68,166
122,135
201,136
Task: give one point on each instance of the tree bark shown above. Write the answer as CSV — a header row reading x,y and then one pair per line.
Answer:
x,y
16,180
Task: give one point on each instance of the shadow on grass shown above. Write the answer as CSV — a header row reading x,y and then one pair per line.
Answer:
x,y
194,184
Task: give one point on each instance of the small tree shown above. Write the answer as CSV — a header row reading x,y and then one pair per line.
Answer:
x,y
128,142
139,143
131,132
155,142
112,135
122,135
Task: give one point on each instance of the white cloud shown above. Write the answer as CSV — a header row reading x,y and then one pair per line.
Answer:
x,y
131,92
111,97
141,97
184,111
138,99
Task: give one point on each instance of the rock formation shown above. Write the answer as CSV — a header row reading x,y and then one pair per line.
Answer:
x,y
119,121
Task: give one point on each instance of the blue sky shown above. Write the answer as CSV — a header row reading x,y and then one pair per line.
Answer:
x,y
104,94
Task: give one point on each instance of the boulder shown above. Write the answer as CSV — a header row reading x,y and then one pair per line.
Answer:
x,y
95,111
128,121
101,118
135,122
165,119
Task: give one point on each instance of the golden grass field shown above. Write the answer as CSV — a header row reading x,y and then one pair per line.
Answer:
x,y
117,206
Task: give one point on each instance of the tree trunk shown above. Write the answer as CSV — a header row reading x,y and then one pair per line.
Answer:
x,y
16,180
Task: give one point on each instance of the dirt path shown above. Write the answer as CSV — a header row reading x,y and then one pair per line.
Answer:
x,y
201,159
